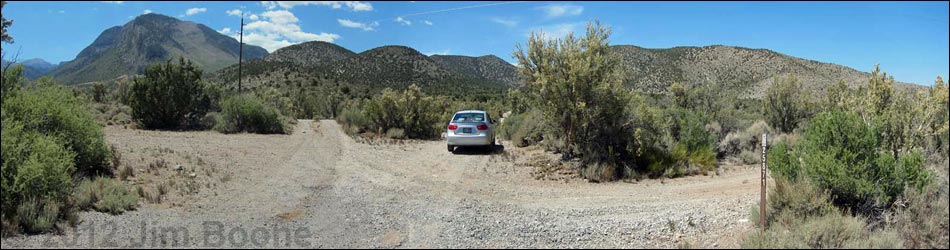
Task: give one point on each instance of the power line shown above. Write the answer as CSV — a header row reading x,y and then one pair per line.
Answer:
x,y
453,9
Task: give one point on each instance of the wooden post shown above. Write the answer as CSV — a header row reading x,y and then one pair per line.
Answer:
x,y
765,143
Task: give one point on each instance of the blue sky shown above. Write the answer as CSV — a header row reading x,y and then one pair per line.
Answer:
x,y
908,39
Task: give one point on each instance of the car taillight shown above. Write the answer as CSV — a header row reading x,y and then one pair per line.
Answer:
x,y
453,127
482,127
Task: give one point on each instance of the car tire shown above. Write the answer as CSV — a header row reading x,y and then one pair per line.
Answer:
x,y
451,149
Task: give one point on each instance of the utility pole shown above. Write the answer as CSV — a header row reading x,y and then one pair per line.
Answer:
x,y
765,148
241,55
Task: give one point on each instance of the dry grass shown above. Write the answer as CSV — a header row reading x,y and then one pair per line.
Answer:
x,y
156,166
8,228
37,216
125,172
824,232
922,218
105,195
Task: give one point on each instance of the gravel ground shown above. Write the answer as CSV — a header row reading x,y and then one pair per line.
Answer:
x,y
318,188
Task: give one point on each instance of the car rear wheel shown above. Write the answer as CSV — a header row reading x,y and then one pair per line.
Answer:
x,y
451,148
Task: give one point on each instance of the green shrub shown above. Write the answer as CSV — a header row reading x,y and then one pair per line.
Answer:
x,y
105,195
98,92
574,82
35,167
787,104
11,80
171,96
693,152
247,113
48,136
747,141
411,110
523,129
52,110
782,162
843,154
353,120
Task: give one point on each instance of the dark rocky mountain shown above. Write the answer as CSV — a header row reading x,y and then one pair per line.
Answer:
x,y
149,39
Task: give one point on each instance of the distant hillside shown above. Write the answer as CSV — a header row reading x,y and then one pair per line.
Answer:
x,y
149,39
749,71
310,54
34,68
395,67
486,67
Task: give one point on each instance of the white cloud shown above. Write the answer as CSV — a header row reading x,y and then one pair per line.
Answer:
x,y
195,11
505,22
444,52
278,29
281,16
427,22
113,2
147,12
352,5
403,21
559,10
234,12
254,17
558,31
225,30
358,25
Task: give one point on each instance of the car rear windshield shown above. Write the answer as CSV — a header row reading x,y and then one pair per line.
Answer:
x,y
469,117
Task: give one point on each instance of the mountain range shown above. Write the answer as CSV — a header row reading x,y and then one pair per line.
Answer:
x,y
34,68
154,38
394,67
149,39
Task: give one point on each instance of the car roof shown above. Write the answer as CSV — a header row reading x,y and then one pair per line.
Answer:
x,y
471,111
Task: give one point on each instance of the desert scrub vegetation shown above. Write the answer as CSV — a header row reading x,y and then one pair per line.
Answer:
x,y
105,195
787,104
50,109
50,140
575,83
572,103
171,96
247,113
857,176
409,114
522,129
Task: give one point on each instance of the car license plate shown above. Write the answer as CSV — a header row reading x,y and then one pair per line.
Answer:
x,y
467,130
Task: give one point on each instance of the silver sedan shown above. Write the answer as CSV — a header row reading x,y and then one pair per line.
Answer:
x,y
470,128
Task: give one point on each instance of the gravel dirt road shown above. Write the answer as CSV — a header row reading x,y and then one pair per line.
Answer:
x,y
319,188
